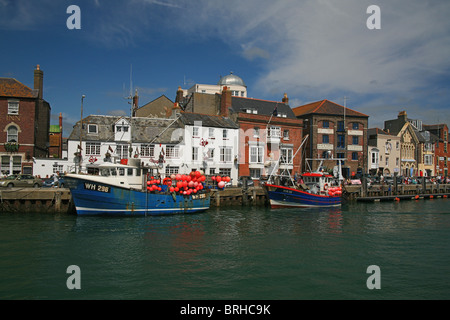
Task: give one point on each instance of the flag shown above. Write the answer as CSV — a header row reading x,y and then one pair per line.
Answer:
x,y
275,110
110,149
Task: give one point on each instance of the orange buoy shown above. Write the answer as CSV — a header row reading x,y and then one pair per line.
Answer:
x,y
397,199
416,197
431,197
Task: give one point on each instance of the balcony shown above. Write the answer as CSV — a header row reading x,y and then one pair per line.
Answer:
x,y
274,135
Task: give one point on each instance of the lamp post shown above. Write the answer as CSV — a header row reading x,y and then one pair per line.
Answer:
x,y
81,130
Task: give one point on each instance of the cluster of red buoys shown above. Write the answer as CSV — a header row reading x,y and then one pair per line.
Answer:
x,y
184,184
335,191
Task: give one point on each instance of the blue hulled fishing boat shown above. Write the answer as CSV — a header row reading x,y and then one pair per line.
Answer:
x,y
124,189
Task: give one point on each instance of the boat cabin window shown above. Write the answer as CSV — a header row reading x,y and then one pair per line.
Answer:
x,y
121,171
104,172
129,171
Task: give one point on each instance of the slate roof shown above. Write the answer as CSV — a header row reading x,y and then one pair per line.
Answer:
x,y
189,118
326,107
264,107
146,130
10,87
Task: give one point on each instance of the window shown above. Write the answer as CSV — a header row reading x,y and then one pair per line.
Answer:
x,y
326,124
147,150
13,134
212,171
225,134
210,154
274,132
92,128
374,158
341,141
256,154
286,154
211,133
13,107
325,138
397,161
355,140
387,161
225,171
255,173
397,145
171,170
93,148
354,155
340,155
340,126
122,127
225,154
195,131
428,159
172,152
194,153
286,134
122,151
355,126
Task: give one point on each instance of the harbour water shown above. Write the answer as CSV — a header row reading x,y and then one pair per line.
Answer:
x,y
242,253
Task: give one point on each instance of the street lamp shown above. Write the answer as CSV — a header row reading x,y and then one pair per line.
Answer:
x,y
81,130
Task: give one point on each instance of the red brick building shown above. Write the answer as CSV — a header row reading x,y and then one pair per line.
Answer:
x,y
441,148
335,132
24,124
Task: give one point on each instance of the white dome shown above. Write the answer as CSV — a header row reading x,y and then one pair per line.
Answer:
x,y
231,79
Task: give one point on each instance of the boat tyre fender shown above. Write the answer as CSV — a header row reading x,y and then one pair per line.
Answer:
x,y
325,187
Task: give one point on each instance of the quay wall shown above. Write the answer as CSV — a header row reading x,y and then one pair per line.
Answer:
x,y
59,200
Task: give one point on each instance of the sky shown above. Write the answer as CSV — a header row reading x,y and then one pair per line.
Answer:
x,y
310,49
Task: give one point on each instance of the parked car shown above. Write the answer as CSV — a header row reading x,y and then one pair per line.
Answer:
x,y
250,182
50,182
21,180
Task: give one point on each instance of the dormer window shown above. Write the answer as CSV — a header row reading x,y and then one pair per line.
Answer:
x,y
122,127
92,128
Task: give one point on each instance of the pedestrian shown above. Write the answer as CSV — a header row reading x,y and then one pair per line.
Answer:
x,y
56,180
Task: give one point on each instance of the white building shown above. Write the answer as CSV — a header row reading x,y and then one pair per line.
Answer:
x,y
180,144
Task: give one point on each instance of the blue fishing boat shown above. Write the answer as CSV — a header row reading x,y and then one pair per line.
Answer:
x,y
313,189
123,189
319,193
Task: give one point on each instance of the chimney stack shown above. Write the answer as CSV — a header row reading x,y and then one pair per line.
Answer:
x,y
179,96
135,103
225,102
38,81
285,99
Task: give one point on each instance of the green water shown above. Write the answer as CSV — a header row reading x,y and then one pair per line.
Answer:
x,y
236,253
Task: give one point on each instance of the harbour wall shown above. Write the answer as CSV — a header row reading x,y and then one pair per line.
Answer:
x,y
59,200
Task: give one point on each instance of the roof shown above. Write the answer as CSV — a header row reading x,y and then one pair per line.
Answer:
x,y
264,107
145,129
189,118
10,87
376,131
326,107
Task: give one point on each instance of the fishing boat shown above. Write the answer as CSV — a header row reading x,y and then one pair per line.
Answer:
x,y
125,188
318,190
314,189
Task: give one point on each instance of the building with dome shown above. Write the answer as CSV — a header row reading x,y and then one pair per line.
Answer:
x,y
232,81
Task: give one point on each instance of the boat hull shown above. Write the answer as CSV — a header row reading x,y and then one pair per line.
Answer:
x,y
93,198
285,197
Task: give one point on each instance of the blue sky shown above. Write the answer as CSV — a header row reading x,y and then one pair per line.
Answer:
x,y
311,49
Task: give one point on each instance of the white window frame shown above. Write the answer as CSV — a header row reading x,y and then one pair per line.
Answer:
x,y
13,107
256,154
